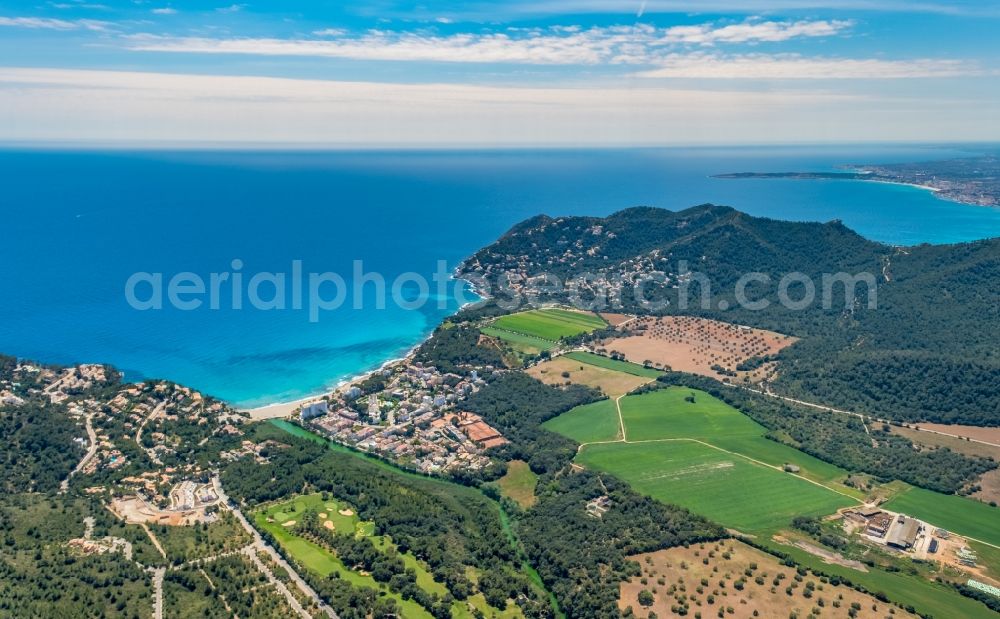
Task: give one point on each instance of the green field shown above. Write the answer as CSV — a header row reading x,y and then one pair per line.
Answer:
x,y
704,455
613,364
519,483
751,497
528,344
726,488
954,513
549,324
665,414
589,423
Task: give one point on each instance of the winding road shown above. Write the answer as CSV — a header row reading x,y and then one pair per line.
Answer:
x,y
87,457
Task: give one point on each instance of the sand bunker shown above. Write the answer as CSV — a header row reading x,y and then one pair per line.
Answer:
x,y
328,525
322,515
346,512
290,523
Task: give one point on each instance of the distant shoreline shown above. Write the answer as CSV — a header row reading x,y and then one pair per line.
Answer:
x,y
867,177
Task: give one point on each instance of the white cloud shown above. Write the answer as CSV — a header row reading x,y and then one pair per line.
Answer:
x,y
485,11
761,66
751,32
47,23
569,45
76,105
165,11
330,32
232,8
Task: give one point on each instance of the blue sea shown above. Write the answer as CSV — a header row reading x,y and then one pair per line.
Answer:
x,y
76,225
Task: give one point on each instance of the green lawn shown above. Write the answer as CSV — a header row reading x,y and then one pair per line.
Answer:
x,y
323,562
728,489
613,364
954,513
549,324
519,483
589,423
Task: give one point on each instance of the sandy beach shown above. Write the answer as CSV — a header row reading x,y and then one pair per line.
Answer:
x,y
283,409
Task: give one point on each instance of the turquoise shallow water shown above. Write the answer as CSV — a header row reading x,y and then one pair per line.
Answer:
x,y
76,225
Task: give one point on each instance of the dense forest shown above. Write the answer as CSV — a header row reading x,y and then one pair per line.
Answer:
x,y
38,447
517,405
40,576
842,440
453,348
925,351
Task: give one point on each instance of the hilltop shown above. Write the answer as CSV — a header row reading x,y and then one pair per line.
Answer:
x,y
926,350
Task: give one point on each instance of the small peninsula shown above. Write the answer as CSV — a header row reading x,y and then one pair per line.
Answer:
x,y
968,180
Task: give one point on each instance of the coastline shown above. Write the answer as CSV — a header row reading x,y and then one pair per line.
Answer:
x,y
917,186
278,410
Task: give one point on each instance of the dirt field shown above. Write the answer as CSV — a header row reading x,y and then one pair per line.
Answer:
x,y
610,382
675,577
135,511
616,319
694,345
990,484
990,435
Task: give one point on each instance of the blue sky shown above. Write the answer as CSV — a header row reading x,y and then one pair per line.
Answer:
x,y
573,72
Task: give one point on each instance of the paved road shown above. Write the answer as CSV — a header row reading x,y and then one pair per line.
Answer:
x,y
91,452
251,552
260,544
158,575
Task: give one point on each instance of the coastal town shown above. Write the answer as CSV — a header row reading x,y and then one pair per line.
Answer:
x,y
410,413
141,446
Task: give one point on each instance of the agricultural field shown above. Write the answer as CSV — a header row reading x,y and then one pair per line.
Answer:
x,y
712,459
519,483
667,414
698,346
549,324
280,519
525,344
685,447
725,487
963,516
564,370
677,577
613,364
597,421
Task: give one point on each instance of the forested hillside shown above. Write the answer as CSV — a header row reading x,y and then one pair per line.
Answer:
x,y
926,350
